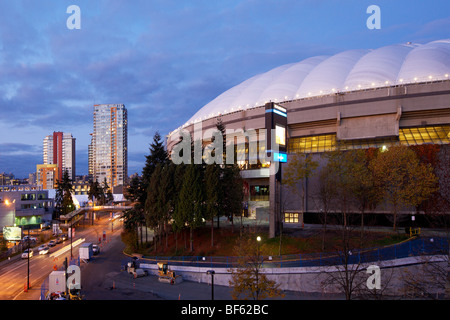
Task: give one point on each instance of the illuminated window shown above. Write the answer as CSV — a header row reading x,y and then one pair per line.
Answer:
x,y
421,135
407,136
280,133
291,217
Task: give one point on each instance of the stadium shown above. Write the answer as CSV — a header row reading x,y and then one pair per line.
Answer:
x,y
356,99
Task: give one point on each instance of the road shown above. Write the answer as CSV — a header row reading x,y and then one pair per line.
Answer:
x,y
13,273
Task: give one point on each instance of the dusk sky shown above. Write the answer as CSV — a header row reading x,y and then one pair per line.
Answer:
x,y
166,59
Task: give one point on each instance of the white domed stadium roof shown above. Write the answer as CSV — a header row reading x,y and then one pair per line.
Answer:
x,y
346,71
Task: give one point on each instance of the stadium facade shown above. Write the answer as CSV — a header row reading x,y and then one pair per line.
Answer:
x,y
397,94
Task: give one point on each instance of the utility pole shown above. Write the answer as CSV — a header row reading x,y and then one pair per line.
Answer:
x,y
28,264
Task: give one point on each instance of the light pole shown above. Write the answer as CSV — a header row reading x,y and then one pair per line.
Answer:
x,y
71,236
258,240
211,272
28,262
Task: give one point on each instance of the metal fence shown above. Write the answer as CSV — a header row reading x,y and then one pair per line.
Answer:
x,y
410,248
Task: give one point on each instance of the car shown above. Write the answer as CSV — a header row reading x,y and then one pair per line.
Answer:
x,y
46,226
43,249
26,238
25,254
59,240
95,249
63,237
52,243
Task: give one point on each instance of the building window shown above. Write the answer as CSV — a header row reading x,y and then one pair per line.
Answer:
x,y
28,196
291,217
280,134
259,193
407,136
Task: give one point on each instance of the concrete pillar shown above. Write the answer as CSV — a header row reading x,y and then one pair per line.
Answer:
x,y
274,201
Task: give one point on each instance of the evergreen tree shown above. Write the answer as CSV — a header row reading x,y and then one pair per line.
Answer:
x,y
166,197
63,199
107,194
95,192
158,155
178,223
153,210
213,195
190,205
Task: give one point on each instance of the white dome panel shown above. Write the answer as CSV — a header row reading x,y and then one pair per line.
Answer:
x,y
425,61
377,68
249,97
286,85
330,74
345,71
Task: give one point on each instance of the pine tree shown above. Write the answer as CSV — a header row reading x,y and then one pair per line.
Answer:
x,y
190,205
158,155
63,199
153,210
213,194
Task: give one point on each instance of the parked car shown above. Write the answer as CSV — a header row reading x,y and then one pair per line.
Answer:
x,y
25,238
52,243
25,253
43,249
46,226
95,249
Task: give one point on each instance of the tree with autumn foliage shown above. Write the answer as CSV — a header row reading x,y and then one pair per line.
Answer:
x,y
247,280
403,180
300,167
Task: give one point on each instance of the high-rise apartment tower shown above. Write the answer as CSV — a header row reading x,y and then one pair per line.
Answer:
x,y
59,149
110,144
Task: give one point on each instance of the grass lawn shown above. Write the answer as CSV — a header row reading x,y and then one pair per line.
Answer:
x,y
292,242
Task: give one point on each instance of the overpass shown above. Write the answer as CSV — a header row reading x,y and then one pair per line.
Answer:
x,y
78,214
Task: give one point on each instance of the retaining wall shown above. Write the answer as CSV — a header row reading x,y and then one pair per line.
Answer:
x,y
393,275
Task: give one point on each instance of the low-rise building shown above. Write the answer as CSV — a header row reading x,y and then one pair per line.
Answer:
x,y
26,206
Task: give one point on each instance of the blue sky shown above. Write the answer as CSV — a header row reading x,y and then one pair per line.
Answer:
x,y
166,59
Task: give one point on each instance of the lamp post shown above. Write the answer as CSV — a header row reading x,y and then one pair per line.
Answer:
x,y
71,236
211,272
258,239
28,262
257,266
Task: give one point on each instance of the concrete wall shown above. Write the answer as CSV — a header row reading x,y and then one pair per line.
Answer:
x,y
393,274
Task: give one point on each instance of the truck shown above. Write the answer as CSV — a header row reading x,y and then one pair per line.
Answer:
x,y
86,252
56,285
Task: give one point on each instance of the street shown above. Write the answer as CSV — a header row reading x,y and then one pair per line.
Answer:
x,y
13,273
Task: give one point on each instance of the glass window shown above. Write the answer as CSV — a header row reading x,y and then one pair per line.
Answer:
x,y
280,133
291,217
259,193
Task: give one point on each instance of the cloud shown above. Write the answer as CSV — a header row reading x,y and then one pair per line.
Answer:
x,y
164,59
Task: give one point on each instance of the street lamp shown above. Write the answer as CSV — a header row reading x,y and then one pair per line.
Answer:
x,y
258,239
211,272
28,262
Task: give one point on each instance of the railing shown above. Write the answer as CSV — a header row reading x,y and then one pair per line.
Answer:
x,y
410,248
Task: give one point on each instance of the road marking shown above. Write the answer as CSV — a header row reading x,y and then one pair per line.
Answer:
x,y
66,248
